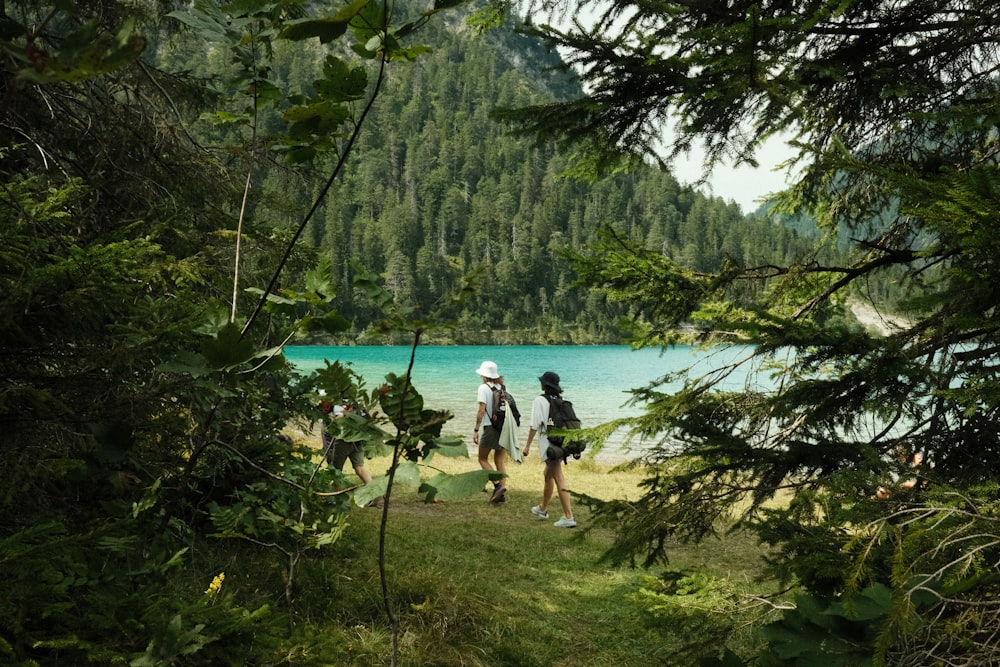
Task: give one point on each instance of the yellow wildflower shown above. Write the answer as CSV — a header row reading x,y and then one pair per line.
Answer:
x,y
216,584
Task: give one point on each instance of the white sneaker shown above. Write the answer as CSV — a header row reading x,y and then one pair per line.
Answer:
x,y
539,513
565,522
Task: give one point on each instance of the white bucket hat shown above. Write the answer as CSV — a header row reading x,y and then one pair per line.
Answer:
x,y
488,369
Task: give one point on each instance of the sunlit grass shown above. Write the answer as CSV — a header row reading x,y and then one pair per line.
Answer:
x,y
476,584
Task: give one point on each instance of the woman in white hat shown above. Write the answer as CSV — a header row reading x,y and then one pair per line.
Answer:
x,y
487,435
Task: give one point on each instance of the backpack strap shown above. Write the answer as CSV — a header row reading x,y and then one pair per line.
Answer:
x,y
548,399
494,390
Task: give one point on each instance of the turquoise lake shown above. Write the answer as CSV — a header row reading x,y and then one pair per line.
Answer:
x,y
597,379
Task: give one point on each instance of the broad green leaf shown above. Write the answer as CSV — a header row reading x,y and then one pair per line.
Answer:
x,y
405,29
315,122
211,24
326,30
447,4
319,280
330,323
404,409
871,603
410,53
187,362
216,318
316,111
301,154
272,297
226,350
224,118
408,474
463,485
341,81
451,446
80,39
374,489
362,52
369,22
176,560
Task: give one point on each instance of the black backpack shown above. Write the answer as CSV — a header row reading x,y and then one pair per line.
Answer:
x,y
562,416
501,399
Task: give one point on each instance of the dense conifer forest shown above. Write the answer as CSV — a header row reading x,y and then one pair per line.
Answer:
x,y
436,188
187,187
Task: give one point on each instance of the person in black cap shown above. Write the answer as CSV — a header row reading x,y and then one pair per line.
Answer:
x,y
554,477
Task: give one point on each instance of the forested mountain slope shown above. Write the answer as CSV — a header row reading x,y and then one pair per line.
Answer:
x,y
436,187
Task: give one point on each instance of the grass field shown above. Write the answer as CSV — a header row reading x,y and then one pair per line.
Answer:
x,y
477,584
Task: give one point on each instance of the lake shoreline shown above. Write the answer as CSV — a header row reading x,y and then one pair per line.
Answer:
x,y
608,456
597,379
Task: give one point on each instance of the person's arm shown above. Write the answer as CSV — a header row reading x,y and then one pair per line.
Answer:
x,y
479,421
527,445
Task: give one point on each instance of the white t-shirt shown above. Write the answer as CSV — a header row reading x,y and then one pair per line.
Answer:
x,y
539,422
485,395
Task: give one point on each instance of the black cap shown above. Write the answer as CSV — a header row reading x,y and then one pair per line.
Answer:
x,y
550,380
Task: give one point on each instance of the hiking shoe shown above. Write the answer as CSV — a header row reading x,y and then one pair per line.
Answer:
x,y
565,522
499,491
539,513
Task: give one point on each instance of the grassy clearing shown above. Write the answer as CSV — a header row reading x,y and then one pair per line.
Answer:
x,y
474,584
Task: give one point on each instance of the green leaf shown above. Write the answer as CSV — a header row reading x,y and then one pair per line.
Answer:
x,y
206,19
301,154
410,53
330,323
190,363
451,446
315,112
175,561
326,29
226,350
403,408
450,487
871,603
319,280
341,81
447,4
374,489
216,318
369,22
224,118
408,474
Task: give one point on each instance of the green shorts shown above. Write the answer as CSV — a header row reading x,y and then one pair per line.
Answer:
x,y
490,438
338,451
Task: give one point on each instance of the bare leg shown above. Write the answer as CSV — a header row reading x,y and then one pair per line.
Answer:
x,y
559,480
484,458
549,485
500,459
363,473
